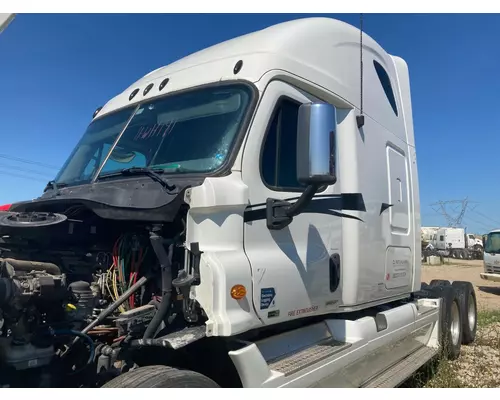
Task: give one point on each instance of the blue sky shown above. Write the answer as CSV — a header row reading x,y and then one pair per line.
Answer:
x,y
55,70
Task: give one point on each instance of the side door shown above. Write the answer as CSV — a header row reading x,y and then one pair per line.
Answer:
x,y
441,240
471,241
399,260
296,269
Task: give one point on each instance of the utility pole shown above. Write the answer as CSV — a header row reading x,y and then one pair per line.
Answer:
x,y
452,221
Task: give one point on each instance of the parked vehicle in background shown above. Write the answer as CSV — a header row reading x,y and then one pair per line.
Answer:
x,y
491,259
455,243
427,234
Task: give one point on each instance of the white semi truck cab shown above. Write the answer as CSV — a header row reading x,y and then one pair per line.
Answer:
x,y
491,258
234,219
473,241
456,243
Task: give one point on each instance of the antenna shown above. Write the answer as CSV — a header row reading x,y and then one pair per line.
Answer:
x,y
360,119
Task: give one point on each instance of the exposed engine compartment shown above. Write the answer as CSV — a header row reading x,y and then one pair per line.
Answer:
x,y
79,292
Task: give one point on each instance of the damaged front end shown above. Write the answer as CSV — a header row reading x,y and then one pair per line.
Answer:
x,y
79,293
98,266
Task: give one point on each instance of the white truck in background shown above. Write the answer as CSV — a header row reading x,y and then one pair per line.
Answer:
x,y
491,260
456,243
428,233
234,220
473,242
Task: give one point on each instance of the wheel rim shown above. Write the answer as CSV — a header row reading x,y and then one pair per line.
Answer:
x,y
471,313
455,324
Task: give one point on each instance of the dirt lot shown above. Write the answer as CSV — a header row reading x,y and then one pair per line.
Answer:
x,y
487,292
479,364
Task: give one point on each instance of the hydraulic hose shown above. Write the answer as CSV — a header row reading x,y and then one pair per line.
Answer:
x,y
165,260
81,335
108,311
28,266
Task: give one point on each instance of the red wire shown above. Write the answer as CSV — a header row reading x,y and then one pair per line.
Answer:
x,y
115,251
134,268
133,276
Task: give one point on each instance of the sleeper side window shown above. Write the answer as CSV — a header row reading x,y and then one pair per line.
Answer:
x,y
386,85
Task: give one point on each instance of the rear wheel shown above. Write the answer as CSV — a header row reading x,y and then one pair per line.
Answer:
x,y
160,376
468,309
450,324
478,252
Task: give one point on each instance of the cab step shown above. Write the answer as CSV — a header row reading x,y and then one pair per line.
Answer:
x,y
294,362
400,372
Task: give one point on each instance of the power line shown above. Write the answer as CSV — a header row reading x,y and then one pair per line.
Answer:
x,y
22,160
31,171
452,221
460,207
486,217
23,176
482,224
462,218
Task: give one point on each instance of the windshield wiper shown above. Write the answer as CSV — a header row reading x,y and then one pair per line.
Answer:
x,y
153,173
54,186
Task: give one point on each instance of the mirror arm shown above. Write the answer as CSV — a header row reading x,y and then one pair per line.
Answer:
x,y
302,202
280,213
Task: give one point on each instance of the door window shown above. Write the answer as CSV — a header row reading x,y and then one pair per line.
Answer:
x,y
278,158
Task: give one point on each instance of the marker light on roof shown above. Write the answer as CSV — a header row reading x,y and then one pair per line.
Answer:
x,y
163,84
237,67
148,88
96,112
132,95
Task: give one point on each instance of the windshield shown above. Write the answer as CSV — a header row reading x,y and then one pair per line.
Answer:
x,y
492,244
187,132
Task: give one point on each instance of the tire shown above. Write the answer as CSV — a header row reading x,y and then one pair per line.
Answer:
x,y
461,254
468,309
439,282
479,252
160,376
450,322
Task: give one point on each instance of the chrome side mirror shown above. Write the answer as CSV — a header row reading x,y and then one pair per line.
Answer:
x,y
316,144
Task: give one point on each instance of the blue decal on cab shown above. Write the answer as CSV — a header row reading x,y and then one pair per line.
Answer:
x,y
267,296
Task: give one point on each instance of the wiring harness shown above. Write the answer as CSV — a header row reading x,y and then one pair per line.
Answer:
x,y
128,257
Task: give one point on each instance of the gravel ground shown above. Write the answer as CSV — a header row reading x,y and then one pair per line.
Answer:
x,y
487,292
479,364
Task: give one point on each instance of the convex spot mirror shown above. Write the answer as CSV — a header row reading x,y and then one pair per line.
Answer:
x,y
316,144
121,156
